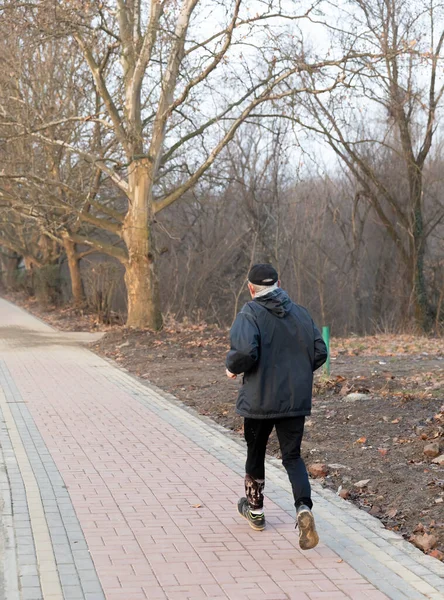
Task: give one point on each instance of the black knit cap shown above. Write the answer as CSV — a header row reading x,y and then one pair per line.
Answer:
x,y
263,274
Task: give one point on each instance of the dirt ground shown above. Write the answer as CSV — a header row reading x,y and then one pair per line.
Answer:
x,y
379,435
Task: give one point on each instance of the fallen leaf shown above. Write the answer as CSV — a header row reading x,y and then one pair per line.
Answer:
x,y
437,554
318,470
361,440
432,449
383,451
362,484
375,510
396,421
424,542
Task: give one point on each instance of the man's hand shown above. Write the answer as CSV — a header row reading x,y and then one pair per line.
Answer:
x,y
230,375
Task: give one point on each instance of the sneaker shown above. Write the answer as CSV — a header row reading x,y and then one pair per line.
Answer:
x,y
256,522
308,536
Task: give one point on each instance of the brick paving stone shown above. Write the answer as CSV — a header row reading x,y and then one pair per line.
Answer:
x,y
135,465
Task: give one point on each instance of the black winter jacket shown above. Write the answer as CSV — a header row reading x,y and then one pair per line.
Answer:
x,y
276,345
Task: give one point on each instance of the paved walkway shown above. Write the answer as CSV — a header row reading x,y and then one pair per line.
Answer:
x,y
112,490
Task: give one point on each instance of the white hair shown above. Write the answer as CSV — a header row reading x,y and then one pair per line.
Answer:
x,y
263,290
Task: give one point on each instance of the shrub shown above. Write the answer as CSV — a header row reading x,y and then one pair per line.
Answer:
x,y
101,281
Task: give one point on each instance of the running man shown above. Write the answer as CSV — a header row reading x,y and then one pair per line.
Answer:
x,y
277,347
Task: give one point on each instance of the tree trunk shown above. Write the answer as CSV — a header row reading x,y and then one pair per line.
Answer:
x,y
357,322
74,272
419,306
422,312
10,264
140,268
420,300
29,275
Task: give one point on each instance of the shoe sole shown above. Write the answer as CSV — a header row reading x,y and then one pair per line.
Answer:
x,y
308,536
252,525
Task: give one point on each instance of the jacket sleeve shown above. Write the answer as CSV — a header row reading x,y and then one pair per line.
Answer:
x,y
320,349
244,339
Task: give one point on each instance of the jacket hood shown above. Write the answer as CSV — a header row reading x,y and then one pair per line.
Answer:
x,y
277,302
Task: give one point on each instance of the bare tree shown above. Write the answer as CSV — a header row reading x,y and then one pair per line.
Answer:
x,y
387,115
42,182
172,96
261,204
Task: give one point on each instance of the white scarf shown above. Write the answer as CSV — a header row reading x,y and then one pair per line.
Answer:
x,y
266,290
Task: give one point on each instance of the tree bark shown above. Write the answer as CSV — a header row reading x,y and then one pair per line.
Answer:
x,y
74,271
29,275
10,264
422,312
422,308
140,268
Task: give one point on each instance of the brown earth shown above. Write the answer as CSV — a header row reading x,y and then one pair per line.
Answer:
x,y
380,436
